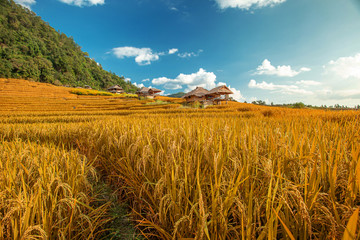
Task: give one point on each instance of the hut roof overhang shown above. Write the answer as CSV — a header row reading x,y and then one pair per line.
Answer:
x,y
221,90
198,92
201,92
116,87
146,90
155,90
143,90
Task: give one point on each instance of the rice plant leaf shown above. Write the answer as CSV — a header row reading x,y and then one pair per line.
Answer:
x,y
350,231
284,225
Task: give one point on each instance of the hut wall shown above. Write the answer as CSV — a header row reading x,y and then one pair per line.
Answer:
x,y
112,90
212,96
195,98
208,103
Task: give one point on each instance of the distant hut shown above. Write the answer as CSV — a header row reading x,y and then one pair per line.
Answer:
x,y
142,92
116,89
87,87
198,94
219,94
214,96
148,92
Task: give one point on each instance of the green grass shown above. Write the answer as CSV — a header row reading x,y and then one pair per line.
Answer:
x,y
120,227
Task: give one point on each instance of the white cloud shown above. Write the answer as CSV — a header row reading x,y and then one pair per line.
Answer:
x,y
128,79
173,50
282,71
345,67
237,94
186,55
247,4
339,94
82,3
286,89
190,54
305,69
139,85
201,78
339,83
26,3
145,80
220,84
143,56
263,85
172,86
350,94
308,83
252,99
168,83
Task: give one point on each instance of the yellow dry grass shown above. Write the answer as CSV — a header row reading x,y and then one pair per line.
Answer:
x,y
235,171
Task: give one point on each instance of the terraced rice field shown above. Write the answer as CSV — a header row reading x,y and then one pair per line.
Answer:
x,y
236,171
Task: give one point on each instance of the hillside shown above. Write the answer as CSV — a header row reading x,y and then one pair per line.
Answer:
x,y
177,95
31,49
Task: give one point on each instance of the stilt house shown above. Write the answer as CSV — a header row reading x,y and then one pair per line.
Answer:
x,y
116,89
148,92
214,96
198,94
219,94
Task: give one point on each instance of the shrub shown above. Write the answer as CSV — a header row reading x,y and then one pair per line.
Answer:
x,y
299,105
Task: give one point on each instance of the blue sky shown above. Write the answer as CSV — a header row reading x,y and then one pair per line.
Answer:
x,y
280,51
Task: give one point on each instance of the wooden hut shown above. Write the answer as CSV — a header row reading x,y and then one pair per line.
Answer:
x,y
198,94
214,96
219,94
116,89
142,92
148,92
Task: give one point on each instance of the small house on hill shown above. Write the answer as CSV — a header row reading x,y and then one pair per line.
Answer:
x,y
198,94
116,89
219,94
214,96
148,92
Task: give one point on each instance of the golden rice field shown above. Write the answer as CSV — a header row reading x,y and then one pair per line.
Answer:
x,y
236,171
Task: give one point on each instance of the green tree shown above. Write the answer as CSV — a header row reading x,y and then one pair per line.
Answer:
x,y
31,49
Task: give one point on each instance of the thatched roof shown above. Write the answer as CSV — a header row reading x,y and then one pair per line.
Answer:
x,y
116,87
220,90
145,90
155,90
198,92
